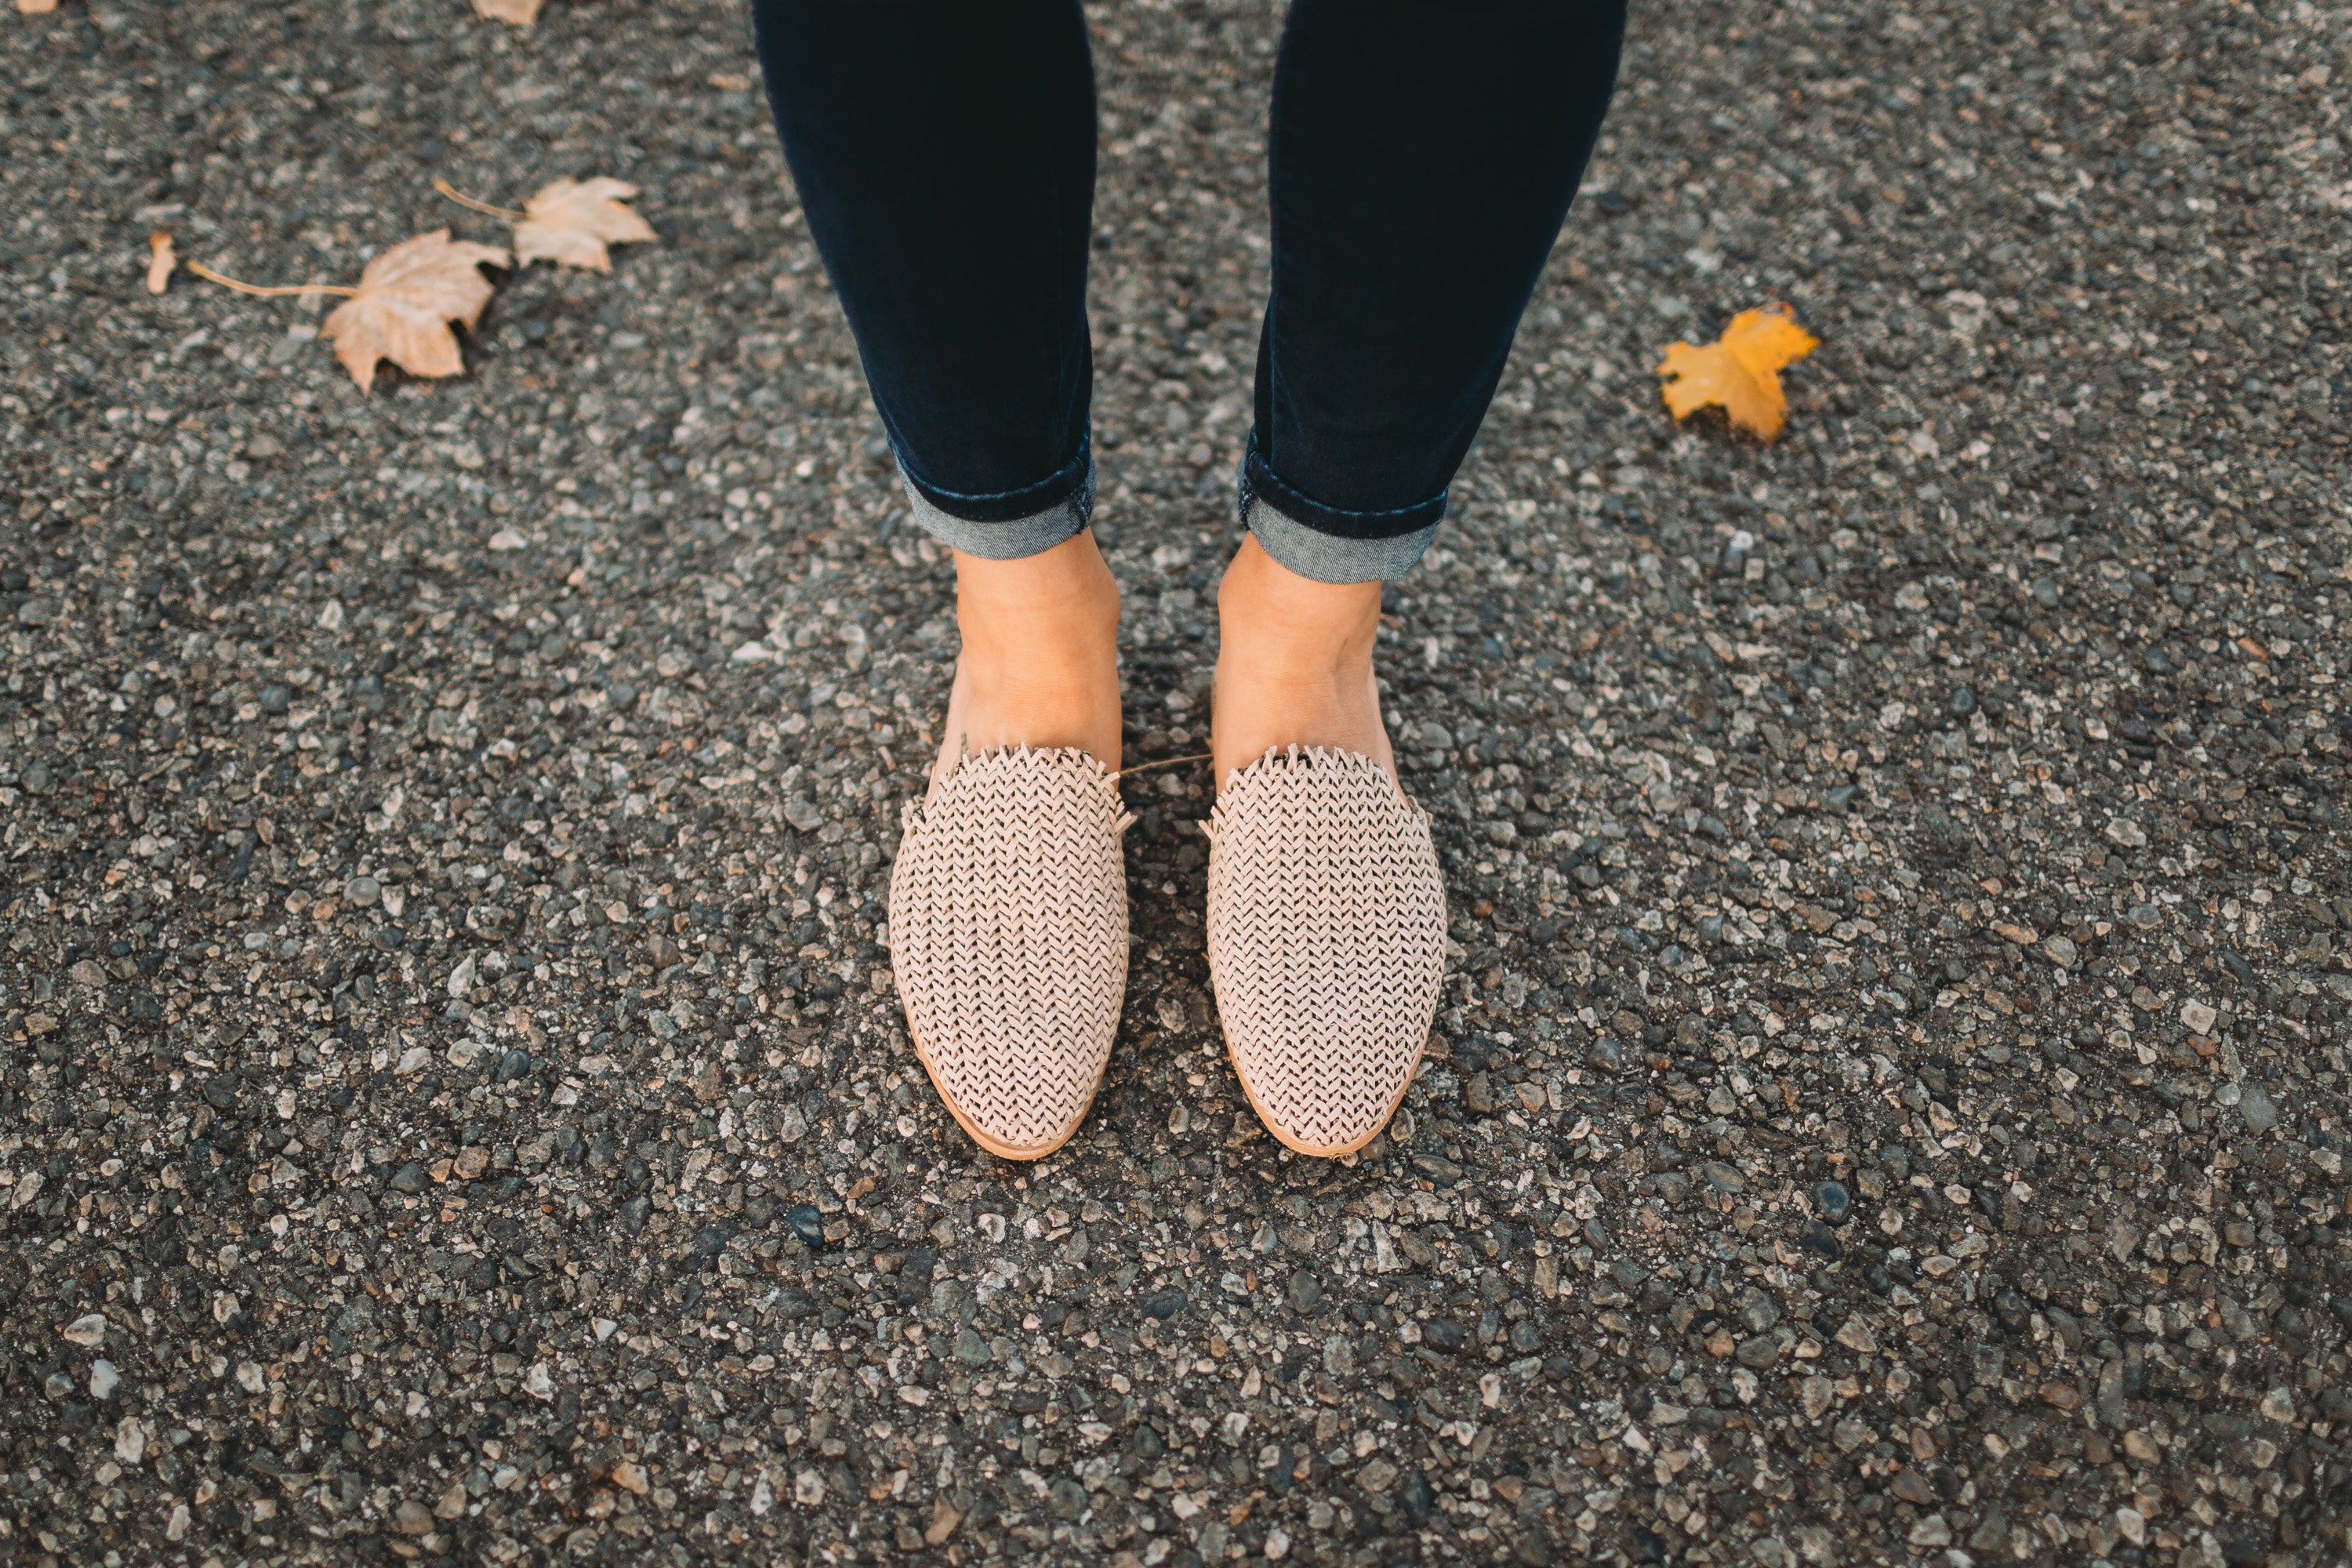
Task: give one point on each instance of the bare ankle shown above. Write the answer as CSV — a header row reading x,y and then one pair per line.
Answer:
x,y
1294,665
1275,608
1040,659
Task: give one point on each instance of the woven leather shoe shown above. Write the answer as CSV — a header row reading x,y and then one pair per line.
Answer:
x,y
1008,930
1326,942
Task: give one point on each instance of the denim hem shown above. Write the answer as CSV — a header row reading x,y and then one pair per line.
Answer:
x,y
1013,538
1260,482
1327,557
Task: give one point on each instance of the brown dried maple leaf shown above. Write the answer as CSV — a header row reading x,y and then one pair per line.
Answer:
x,y
405,301
570,222
521,13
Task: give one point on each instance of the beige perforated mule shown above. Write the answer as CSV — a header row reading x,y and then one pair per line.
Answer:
x,y
1008,932
1326,942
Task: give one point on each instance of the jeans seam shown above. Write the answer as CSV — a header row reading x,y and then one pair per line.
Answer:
x,y
1009,537
1277,236
1250,491
1077,466
1438,499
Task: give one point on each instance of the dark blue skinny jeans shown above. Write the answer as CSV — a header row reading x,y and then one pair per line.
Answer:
x,y
1423,156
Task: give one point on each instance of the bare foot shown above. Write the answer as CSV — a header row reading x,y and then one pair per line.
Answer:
x,y
1294,664
1040,661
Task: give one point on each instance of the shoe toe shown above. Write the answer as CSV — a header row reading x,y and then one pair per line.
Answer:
x,y
1008,925
1326,942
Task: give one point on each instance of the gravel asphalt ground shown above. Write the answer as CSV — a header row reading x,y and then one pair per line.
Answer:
x,y
1889,1103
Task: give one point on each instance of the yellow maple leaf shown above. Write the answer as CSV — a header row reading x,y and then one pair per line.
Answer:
x,y
1739,373
405,301
35,7
518,13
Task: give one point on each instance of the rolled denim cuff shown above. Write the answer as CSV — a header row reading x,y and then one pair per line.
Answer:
x,y
1010,524
1326,543
1327,557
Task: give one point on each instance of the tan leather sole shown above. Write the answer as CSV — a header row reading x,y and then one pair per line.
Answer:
x,y
1316,1151
972,1130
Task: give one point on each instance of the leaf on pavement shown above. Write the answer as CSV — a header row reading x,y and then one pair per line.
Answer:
x,y
1739,373
521,13
405,300
35,7
571,221
160,262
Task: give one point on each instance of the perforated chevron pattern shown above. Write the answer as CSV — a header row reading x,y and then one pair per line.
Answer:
x,y
1008,929
1327,942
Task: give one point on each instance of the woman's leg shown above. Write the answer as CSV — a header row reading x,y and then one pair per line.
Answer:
x,y
1423,156
944,155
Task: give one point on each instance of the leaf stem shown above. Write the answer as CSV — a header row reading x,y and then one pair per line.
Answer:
x,y
209,276
463,200
1167,763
